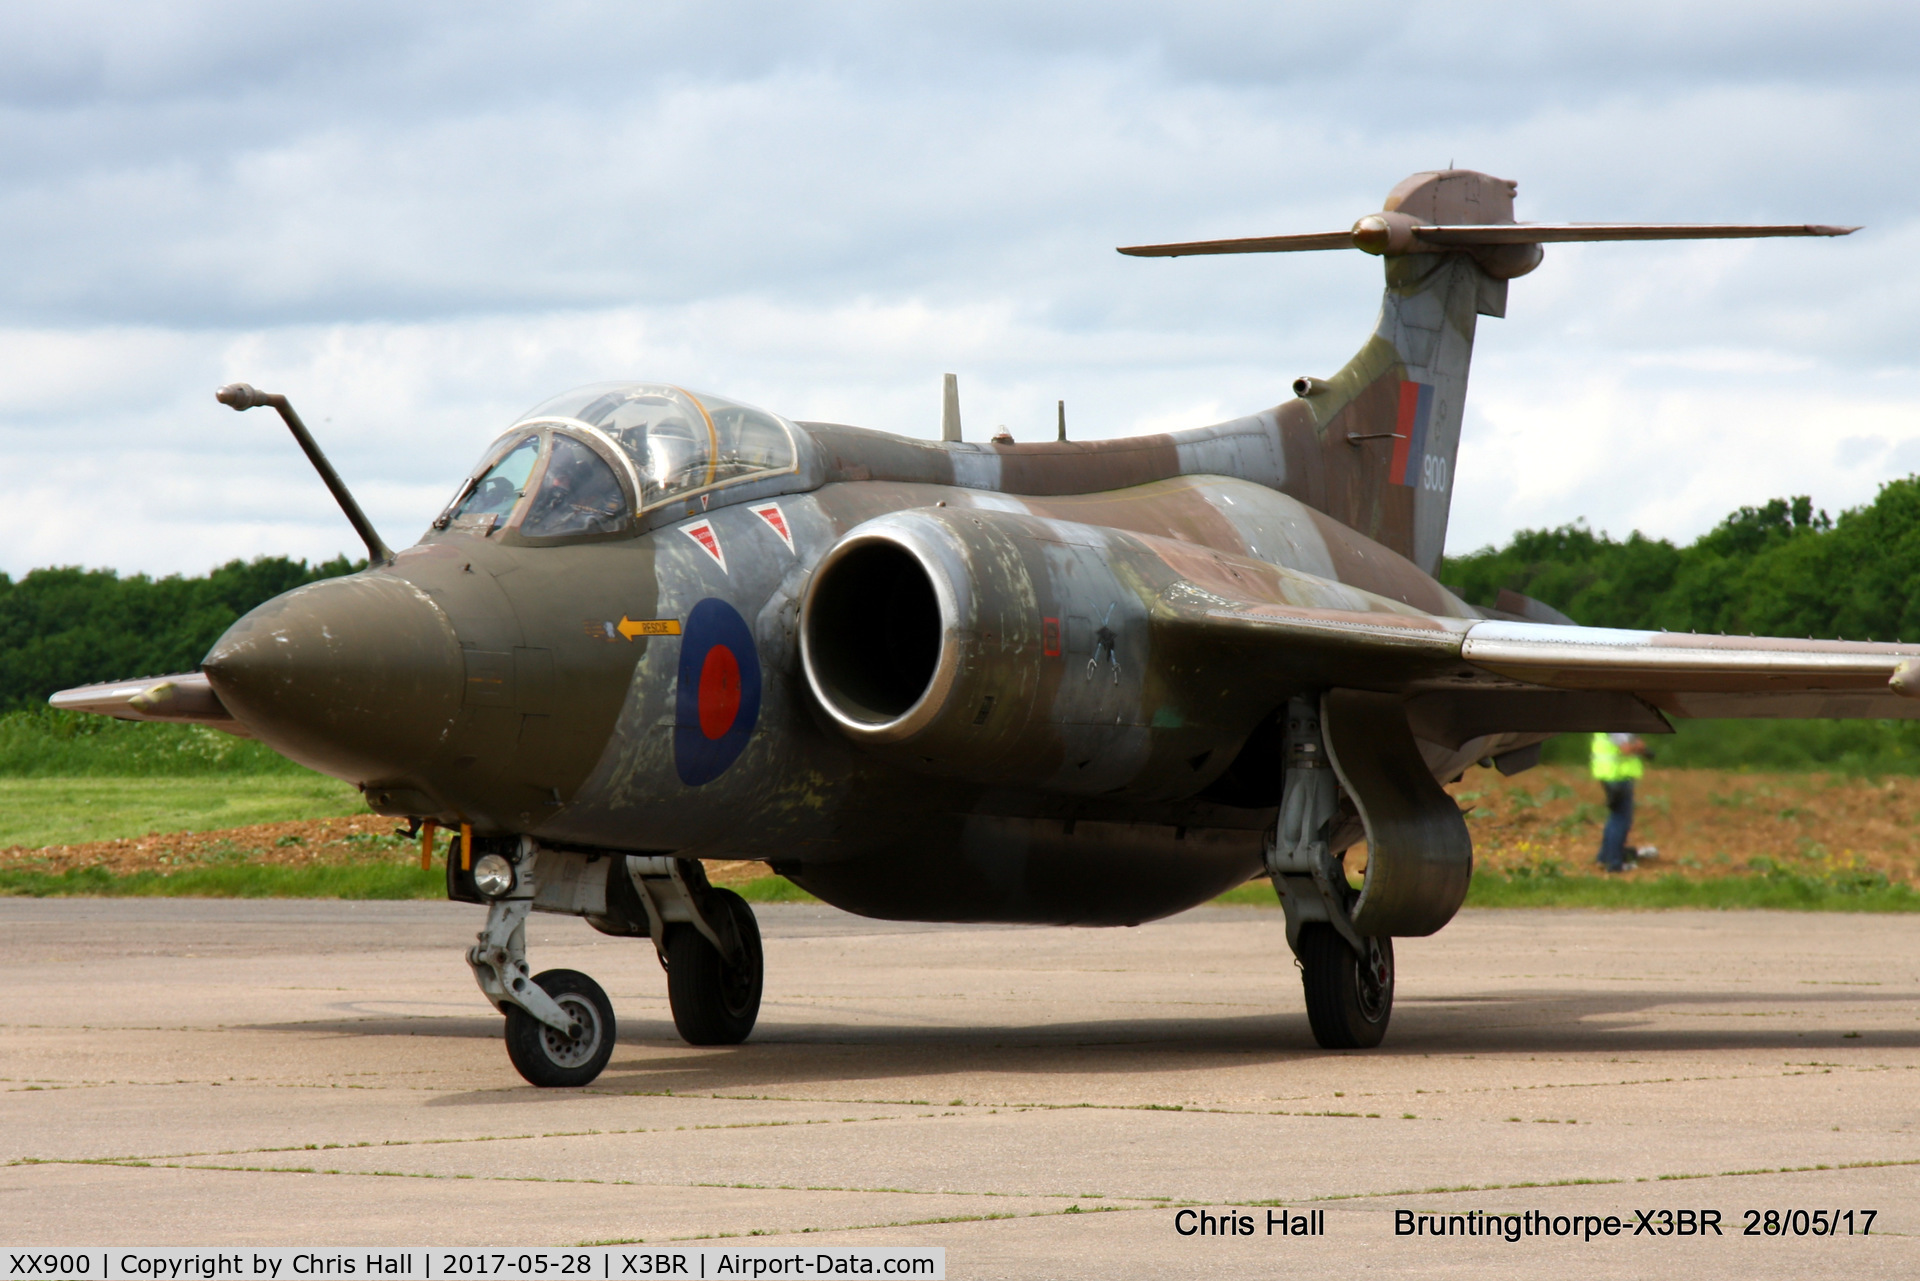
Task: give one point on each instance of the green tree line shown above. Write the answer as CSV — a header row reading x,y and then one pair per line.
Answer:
x,y
68,626
1781,569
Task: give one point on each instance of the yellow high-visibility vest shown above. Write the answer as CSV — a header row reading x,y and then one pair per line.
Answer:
x,y
1610,764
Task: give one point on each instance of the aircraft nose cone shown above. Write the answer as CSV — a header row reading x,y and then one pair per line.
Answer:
x,y
357,677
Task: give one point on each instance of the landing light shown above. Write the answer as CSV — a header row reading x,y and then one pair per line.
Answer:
x,y
492,875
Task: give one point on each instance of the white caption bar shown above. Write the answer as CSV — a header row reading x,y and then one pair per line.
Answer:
x,y
441,1263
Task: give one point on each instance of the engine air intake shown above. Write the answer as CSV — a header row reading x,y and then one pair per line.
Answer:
x,y
872,634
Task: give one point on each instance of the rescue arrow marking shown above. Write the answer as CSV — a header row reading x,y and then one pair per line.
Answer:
x,y
630,628
702,533
776,520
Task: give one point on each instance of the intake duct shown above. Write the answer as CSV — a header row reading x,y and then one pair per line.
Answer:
x,y
924,639
888,619
1008,649
875,636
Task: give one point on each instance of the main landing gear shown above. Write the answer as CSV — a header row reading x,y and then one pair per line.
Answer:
x,y
1349,993
1348,976
560,1025
715,999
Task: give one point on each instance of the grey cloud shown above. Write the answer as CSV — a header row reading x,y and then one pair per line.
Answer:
x,y
137,51
228,174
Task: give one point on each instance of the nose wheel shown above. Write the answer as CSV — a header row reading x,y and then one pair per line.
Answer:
x,y
560,1025
548,1056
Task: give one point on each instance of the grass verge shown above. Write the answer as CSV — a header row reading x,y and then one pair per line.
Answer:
x,y
383,880
405,880
349,881
1255,893
72,811
1776,891
771,889
44,743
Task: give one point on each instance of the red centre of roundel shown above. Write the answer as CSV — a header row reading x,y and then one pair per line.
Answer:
x,y
719,691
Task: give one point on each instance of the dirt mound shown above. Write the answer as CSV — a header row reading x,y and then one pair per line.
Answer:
x,y
363,838
1705,822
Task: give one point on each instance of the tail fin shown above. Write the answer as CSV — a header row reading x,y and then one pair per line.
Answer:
x,y
1374,445
1385,430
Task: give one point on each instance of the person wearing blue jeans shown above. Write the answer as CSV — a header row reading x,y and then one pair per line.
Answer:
x,y
1618,759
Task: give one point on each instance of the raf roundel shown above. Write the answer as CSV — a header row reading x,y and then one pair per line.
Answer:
x,y
718,698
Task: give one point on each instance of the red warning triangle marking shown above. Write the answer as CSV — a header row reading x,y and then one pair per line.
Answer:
x,y
702,533
777,520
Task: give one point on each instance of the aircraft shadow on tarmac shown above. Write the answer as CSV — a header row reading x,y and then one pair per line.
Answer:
x,y
652,1058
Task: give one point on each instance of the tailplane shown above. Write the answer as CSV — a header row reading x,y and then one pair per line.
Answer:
x,y
1373,446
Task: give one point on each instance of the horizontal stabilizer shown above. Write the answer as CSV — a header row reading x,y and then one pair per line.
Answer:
x,y
1551,233
1375,234
1247,245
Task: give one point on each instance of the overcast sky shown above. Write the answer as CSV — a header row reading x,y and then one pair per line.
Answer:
x,y
419,219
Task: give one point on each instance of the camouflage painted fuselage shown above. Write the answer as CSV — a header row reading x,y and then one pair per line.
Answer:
x,y
1096,757
1118,775
956,681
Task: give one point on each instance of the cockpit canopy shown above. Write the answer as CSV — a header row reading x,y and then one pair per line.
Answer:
x,y
593,457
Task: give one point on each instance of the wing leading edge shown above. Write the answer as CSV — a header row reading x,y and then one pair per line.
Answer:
x,y
1684,674
1677,673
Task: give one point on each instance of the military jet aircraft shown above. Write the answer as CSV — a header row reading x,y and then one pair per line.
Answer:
x,y
1079,682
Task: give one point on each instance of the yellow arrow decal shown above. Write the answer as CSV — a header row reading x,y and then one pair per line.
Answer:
x,y
648,627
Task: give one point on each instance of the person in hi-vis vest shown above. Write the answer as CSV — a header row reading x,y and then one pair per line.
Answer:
x,y
1618,759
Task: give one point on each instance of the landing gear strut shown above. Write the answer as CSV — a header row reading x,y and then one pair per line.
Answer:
x,y
709,945
560,1025
1348,976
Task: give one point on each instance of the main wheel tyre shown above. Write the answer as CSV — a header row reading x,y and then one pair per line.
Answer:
x,y
715,1003
1348,1002
547,1057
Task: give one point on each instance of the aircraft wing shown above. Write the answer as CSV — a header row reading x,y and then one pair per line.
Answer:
x,y
1697,675
1467,678
186,697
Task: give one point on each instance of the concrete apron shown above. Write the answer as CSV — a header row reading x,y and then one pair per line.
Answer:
x,y
202,1072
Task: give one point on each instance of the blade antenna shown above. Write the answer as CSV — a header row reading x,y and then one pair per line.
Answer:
x,y
242,397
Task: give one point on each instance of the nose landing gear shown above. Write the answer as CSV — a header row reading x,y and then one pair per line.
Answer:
x,y
546,1055
560,1025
